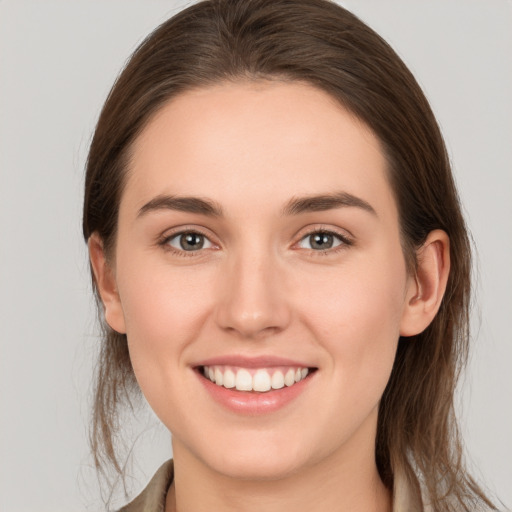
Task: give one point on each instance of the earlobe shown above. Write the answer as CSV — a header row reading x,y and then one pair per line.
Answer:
x,y
106,283
426,289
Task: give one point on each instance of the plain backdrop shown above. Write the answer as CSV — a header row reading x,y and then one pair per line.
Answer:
x,y
58,60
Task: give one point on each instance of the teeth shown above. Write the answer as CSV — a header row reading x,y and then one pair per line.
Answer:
x,y
277,380
243,380
259,380
289,378
229,379
218,377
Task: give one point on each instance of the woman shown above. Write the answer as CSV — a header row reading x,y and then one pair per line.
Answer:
x,y
282,263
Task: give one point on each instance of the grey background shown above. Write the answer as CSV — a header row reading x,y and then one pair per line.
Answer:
x,y
58,60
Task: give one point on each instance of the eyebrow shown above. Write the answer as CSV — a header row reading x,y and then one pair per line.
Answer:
x,y
182,204
296,206
324,202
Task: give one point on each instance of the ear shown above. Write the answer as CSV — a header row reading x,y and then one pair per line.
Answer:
x,y
106,282
426,289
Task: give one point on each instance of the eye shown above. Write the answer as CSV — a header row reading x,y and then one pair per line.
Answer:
x,y
322,241
189,241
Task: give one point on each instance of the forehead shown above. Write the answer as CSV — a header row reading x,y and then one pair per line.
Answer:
x,y
278,139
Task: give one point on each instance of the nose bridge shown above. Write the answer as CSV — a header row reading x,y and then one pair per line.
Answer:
x,y
253,302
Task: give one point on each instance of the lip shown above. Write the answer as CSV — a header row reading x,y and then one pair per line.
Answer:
x,y
252,403
251,362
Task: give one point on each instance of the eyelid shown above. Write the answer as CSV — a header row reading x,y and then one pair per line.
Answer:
x,y
166,236
177,236
344,235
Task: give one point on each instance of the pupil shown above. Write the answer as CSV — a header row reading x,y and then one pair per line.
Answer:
x,y
191,241
321,241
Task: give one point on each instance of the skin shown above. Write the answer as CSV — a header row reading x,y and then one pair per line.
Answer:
x,y
259,288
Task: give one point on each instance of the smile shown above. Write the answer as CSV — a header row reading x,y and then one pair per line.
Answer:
x,y
255,386
259,380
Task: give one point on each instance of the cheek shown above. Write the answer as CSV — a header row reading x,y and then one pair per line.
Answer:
x,y
159,300
164,311
355,316
361,296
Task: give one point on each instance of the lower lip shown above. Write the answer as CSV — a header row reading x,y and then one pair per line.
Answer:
x,y
254,403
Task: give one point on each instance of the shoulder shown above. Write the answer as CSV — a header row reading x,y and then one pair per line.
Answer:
x,y
152,498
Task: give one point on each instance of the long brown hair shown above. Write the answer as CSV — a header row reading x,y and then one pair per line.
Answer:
x,y
320,43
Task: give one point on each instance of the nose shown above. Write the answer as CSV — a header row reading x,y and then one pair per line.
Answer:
x,y
253,300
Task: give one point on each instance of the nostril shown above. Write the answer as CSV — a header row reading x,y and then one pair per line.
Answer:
x,y
253,307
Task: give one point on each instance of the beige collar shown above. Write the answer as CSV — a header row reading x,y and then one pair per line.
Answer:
x,y
406,495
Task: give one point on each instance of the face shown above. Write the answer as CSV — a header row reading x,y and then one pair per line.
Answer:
x,y
259,247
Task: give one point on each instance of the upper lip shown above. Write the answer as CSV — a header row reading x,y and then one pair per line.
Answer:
x,y
264,361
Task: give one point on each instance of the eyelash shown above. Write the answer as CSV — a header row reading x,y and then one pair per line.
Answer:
x,y
164,242
344,239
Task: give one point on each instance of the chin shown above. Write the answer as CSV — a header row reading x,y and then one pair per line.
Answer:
x,y
257,469
262,461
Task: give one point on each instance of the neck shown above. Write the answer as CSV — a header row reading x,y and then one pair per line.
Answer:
x,y
341,481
